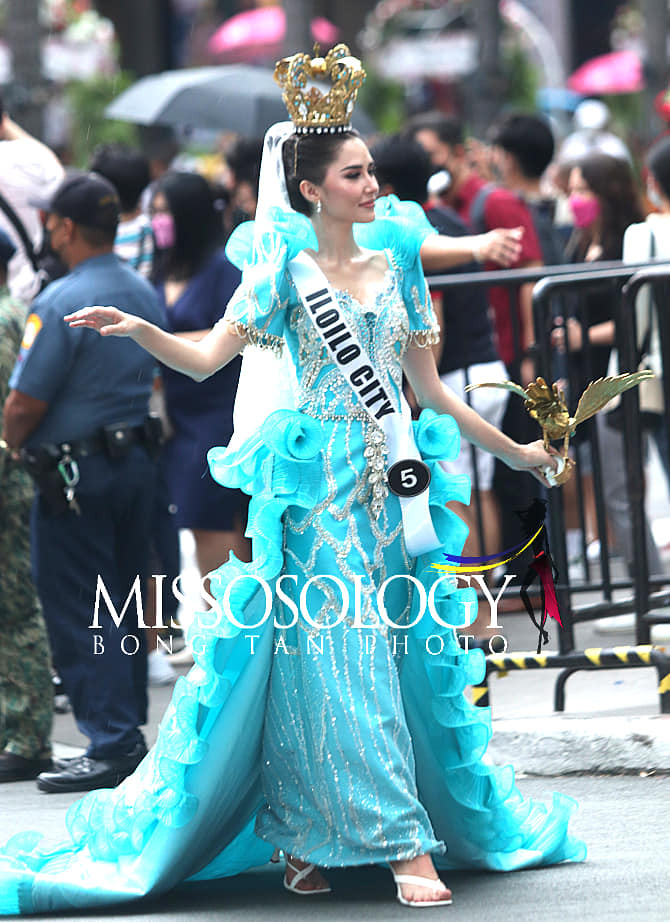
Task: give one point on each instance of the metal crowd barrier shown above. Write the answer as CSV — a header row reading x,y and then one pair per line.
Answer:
x,y
576,661
553,287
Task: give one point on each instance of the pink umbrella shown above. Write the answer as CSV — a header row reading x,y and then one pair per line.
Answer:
x,y
618,72
246,33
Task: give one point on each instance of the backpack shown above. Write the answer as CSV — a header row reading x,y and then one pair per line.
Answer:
x,y
45,263
542,216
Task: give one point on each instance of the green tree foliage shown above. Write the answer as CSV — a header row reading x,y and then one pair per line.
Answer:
x,y
88,100
383,100
521,78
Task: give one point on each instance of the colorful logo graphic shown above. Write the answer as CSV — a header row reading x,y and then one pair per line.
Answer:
x,y
541,567
458,564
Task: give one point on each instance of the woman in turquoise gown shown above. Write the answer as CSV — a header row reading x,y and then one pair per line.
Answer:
x,y
339,739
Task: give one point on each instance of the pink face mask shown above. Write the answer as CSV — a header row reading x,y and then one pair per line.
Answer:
x,y
164,230
585,209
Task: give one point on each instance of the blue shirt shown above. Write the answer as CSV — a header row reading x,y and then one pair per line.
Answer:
x,y
88,380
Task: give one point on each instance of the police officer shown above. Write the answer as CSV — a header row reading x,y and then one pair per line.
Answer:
x,y
77,412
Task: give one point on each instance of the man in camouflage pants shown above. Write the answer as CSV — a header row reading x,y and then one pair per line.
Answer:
x,y
26,693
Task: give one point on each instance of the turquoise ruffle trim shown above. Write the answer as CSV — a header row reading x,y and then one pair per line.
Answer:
x,y
399,227
174,819
475,807
164,822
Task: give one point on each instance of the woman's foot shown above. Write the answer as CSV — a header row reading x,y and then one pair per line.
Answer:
x,y
433,891
295,880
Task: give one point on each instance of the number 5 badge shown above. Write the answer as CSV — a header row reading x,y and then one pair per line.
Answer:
x,y
408,478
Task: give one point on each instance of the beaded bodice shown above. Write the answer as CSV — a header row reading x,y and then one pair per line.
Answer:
x,y
382,328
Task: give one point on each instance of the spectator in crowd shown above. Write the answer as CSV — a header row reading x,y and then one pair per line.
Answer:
x,y
466,352
26,695
128,171
77,412
604,202
483,207
27,169
161,147
195,281
244,162
651,240
523,148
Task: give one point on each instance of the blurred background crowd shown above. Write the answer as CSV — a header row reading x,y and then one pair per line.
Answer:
x,y
549,115
61,61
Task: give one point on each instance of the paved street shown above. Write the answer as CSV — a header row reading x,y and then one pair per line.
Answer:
x,y
624,820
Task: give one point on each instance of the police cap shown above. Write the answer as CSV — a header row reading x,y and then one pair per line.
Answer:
x,y
86,198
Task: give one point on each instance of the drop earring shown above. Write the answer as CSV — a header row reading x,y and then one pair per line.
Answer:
x,y
318,207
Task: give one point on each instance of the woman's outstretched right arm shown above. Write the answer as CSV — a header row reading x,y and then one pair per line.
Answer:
x,y
198,359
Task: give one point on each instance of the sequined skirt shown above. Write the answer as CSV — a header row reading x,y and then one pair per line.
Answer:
x,y
316,747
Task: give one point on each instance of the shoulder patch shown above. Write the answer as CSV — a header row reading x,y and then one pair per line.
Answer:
x,y
33,326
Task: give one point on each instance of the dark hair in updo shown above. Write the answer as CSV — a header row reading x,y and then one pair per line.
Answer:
x,y
308,156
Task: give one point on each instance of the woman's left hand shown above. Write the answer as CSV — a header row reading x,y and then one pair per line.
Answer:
x,y
534,458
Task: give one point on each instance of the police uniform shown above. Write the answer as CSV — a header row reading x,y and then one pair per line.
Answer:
x,y
26,697
97,390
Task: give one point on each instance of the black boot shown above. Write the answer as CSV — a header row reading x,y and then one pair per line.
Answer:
x,y
19,768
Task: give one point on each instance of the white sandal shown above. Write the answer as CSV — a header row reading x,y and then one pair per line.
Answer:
x,y
300,876
427,882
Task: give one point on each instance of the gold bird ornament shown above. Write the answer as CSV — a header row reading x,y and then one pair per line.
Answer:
x,y
547,406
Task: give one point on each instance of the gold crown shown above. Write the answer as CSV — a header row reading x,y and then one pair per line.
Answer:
x,y
310,109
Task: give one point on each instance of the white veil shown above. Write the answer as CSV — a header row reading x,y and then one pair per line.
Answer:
x,y
267,381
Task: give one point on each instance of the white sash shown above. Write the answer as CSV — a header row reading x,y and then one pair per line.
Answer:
x,y
358,371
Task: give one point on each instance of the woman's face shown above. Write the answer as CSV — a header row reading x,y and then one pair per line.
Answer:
x,y
162,222
350,187
583,202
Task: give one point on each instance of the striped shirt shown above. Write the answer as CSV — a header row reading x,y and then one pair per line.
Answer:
x,y
135,244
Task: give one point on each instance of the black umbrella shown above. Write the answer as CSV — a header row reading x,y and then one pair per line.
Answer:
x,y
237,98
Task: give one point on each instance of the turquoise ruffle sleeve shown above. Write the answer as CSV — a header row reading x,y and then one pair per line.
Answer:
x,y
401,228
258,307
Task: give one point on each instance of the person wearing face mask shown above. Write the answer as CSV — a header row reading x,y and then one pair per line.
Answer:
x,y
194,281
76,416
604,201
650,239
128,171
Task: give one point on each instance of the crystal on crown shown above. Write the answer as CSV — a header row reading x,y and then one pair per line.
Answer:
x,y
310,109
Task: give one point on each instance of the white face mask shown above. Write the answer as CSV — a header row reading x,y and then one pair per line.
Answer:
x,y
439,183
654,196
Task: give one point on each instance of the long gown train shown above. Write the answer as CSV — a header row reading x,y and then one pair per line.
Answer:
x,y
340,738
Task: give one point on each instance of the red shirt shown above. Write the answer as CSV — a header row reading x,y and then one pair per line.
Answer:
x,y
501,209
